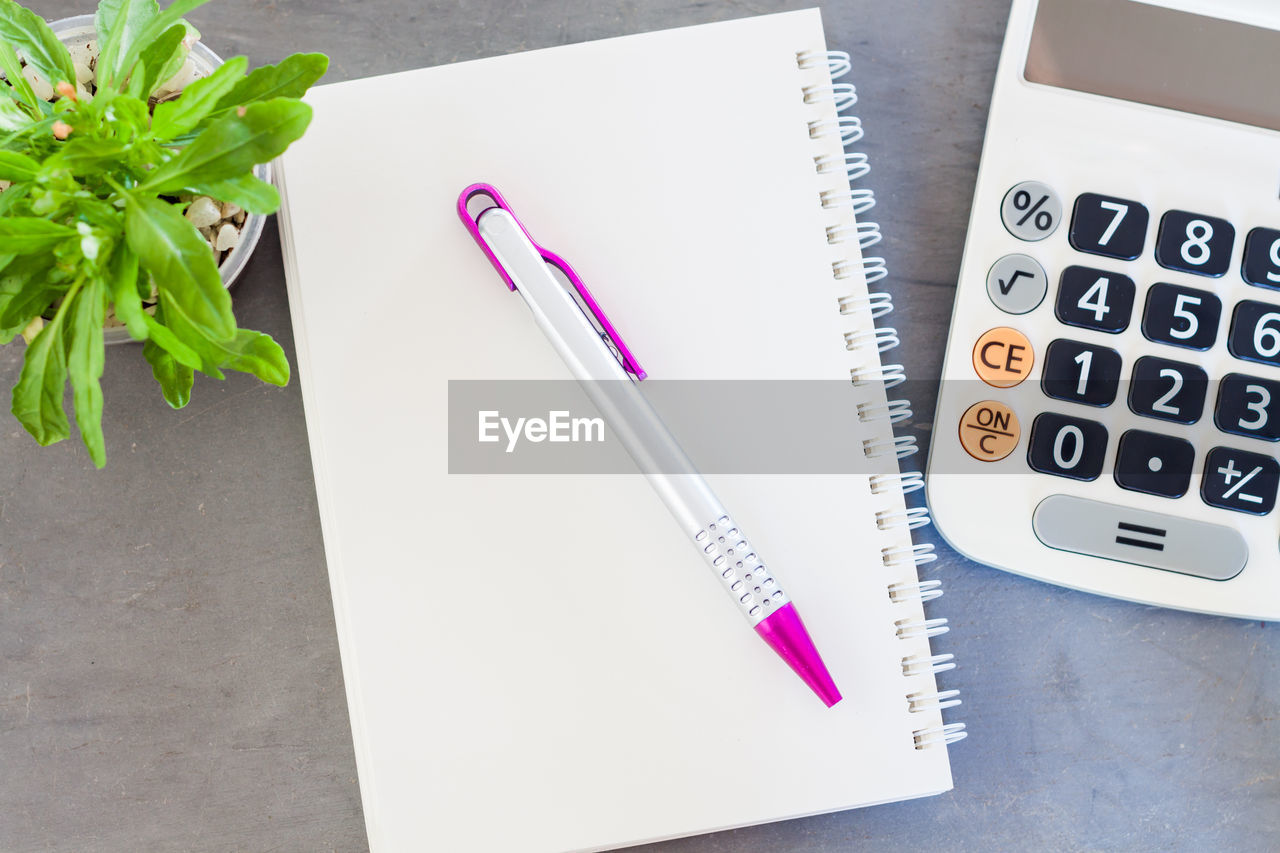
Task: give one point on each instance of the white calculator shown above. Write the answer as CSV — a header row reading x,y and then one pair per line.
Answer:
x,y
1109,415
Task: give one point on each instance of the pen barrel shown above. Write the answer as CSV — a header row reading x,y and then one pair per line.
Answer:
x,y
633,420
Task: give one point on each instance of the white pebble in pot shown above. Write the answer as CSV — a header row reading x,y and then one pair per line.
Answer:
x,y
228,238
204,212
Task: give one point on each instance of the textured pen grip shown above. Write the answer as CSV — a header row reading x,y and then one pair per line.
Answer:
x,y
745,577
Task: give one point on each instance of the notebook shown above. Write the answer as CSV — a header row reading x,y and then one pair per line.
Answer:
x,y
541,661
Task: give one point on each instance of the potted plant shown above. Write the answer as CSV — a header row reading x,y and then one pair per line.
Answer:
x,y
98,182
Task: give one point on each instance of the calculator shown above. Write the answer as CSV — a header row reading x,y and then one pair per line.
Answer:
x,y
1109,413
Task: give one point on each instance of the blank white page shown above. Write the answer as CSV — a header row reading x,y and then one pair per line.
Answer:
x,y
543,662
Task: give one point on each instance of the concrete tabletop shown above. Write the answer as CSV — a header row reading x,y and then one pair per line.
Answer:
x,y
169,672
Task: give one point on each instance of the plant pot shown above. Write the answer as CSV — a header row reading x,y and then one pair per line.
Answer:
x,y
71,30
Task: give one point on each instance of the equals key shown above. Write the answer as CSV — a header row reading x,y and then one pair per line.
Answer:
x,y
1126,527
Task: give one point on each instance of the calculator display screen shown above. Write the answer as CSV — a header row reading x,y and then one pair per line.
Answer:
x,y
1158,56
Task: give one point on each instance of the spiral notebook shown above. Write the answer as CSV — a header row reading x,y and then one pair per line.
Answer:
x,y
541,662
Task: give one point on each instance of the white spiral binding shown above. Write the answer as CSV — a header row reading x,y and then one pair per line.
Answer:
x,y
947,734
876,304
855,165
917,702
911,481
917,555
916,591
891,375
894,411
861,199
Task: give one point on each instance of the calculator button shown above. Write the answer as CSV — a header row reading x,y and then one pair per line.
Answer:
x,y
1248,406
1154,463
1138,536
1192,242
1240,480
989,431
1066,446
1003,357
1094,299
1103,225
1168,390
1255,332
1017,284
1181,316
1262,258
1081,373
1031,211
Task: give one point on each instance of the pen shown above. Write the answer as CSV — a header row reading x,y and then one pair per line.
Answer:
x,y
600,360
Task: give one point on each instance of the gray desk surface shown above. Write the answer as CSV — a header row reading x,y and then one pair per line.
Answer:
x,y
169,674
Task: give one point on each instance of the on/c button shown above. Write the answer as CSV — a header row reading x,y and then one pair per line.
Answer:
x,y
989,431
1003,357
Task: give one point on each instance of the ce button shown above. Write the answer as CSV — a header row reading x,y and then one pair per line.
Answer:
x,y
1003,357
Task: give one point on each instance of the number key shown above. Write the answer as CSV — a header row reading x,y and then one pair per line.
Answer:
x,y
1182,316
1262,258
1168,390
1093,299
1067,447
1081,373
1194,243
1245,407
1255,332
1102,225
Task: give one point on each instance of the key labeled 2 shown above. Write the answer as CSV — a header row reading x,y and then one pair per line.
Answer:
x,y
1248,405
1240,480
1167,389
1094,299
1255,332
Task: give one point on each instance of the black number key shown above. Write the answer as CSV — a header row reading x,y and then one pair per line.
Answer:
x,y
1248,406
1262,258
1103,225
1067,447
1167,389
1255,332
1094,299
1194,243
1182,316
1239,480
1081,373
1153,463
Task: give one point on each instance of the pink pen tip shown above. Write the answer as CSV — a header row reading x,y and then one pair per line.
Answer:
x,y
786,634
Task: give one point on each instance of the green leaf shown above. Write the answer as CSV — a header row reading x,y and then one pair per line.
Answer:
x,y
84,155
18,167
14,282
178,58
172,250
12,116
12,69
174,118
164,338
119,23
154,58
175,379
152,31
85,359
233,145
247,191
249,352
24,235
28,32
123,270
37,398
290,79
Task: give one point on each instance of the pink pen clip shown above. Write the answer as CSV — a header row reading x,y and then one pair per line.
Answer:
x,y
602,322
